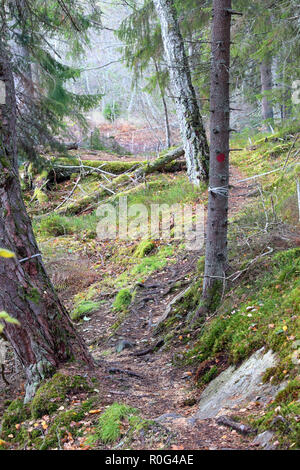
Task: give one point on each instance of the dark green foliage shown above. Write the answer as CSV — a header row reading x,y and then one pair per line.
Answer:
x,y
44,100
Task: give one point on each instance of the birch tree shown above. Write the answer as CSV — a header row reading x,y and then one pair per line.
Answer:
x,y
192,129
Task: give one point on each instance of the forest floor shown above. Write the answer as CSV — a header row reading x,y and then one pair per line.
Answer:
x,y
132,368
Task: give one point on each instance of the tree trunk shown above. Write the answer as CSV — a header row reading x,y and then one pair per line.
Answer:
x,y
166,114
192,129
46,337
266,86
217,218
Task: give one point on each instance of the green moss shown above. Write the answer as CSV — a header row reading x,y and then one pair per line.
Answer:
x,y
267,316
53,392
144,248
282,417
291,393
83,308
54,225
40,196
122,300
210,375
15,413
33,295
60,425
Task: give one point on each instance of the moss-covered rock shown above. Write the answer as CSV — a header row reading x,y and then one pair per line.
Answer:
x,y
60,425
54,391
15,413
144,248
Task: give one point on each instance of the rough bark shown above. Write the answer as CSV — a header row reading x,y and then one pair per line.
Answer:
x,y
266,86
46,337
192,129
217,218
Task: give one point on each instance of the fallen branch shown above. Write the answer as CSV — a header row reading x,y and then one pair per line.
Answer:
x,y
70,194
239,427
150,350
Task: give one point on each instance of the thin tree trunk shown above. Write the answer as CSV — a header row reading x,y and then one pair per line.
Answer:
x,y
46,337
217,218
162,94
192,129
266,86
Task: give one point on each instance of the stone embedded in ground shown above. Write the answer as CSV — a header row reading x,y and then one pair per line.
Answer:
x,y
123,344
238,386
265,440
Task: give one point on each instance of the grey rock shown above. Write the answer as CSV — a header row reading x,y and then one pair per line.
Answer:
x,y
167,417
237,386
265,440
123,344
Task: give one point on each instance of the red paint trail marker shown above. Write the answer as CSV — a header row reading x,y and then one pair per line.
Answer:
x,y
221,157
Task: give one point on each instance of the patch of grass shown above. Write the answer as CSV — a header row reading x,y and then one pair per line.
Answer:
x,y
54,225
110,421
166,189
122,300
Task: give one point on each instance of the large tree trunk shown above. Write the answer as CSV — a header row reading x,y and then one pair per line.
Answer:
x,y
192,129
217,218
46,337
266,86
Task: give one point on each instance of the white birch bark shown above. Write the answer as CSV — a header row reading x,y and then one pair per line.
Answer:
x,y
192,129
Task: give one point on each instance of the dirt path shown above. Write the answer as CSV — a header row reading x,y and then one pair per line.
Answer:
x,y
151,381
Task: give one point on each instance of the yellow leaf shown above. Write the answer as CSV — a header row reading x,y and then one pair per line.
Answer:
x,y
94,412
284,328
6,253
2,442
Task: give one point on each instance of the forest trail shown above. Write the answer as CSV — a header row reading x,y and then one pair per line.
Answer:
x,y
150,381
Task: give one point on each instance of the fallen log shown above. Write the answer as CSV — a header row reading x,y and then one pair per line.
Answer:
x,y
160,163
